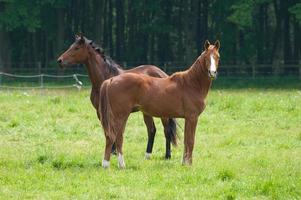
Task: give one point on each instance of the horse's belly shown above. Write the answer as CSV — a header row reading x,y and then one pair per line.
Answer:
x,y
162,107
161,98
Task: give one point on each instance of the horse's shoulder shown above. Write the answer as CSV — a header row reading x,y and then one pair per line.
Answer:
x,y
177,77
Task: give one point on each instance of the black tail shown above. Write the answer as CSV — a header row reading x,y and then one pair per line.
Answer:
x,y
172,131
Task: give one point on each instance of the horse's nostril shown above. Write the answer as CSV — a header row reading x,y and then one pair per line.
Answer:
x,y
59,61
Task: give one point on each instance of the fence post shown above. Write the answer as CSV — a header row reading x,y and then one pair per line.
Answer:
x,y
299,72
40,67
42,80
253,70
1,72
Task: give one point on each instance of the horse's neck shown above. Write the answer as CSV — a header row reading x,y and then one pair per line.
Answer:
x,y
94,67
197,77
97,70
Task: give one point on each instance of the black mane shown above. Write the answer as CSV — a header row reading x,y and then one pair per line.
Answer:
x,y
113,67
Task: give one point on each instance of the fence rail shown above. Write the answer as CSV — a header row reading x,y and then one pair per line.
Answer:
x,y
77,77
16,81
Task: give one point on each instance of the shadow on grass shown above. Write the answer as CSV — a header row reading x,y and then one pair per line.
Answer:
x,y
257,83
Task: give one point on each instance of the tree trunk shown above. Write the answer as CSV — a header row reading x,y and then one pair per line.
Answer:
x,y
260,35
277,33
297,42
164,46
202,24
180,46
119,29
98,5
110,28
105,24
5,51
144,36
287,51
131,24
60,30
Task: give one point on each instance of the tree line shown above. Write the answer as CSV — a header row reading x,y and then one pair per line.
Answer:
x,y
35,32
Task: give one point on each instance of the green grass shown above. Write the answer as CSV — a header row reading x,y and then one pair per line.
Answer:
x,y
248,146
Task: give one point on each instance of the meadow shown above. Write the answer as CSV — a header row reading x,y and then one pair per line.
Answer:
x,y
248,146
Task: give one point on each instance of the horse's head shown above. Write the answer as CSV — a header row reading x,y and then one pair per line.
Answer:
x,y
211,58
77,52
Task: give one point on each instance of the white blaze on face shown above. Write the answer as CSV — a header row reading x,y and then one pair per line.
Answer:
x,y
212,64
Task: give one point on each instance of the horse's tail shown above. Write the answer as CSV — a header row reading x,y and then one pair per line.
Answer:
x,y
106,111
172,131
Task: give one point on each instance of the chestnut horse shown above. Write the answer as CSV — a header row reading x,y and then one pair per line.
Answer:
x,y
182,95
101,67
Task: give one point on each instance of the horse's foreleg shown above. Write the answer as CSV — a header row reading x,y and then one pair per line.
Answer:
x,y
151,131
167,138
189,137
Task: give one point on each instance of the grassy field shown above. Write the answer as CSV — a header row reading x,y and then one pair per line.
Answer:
x,y
248,146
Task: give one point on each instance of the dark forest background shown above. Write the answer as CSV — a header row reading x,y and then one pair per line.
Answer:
x,y
252,32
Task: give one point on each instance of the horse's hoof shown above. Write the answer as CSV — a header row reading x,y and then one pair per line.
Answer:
x,y
186,162
147,156
121,163
121,166
105,164
167,157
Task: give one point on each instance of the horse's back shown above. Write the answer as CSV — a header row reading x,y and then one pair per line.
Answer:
x,y
149,70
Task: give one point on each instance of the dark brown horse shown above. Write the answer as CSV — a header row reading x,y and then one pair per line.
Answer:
x,y
101,67
182,95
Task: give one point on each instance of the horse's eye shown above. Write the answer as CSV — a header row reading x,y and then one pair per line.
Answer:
x,y
76,48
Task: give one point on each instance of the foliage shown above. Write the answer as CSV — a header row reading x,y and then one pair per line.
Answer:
x,y
296,10
21,14
242,13
155,32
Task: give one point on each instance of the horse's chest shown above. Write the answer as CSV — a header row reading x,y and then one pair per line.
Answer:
x,y
94,97
194,105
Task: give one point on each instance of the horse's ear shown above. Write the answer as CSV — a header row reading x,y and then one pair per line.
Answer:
x,y
217,44
81,39
98,50
206,44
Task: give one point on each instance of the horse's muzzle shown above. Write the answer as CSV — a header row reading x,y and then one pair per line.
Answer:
x,y
212,74
63,64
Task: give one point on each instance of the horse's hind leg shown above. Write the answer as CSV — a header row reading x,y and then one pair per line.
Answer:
x,y
119,140
167,138
113,150
119,144
106,160
151,131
